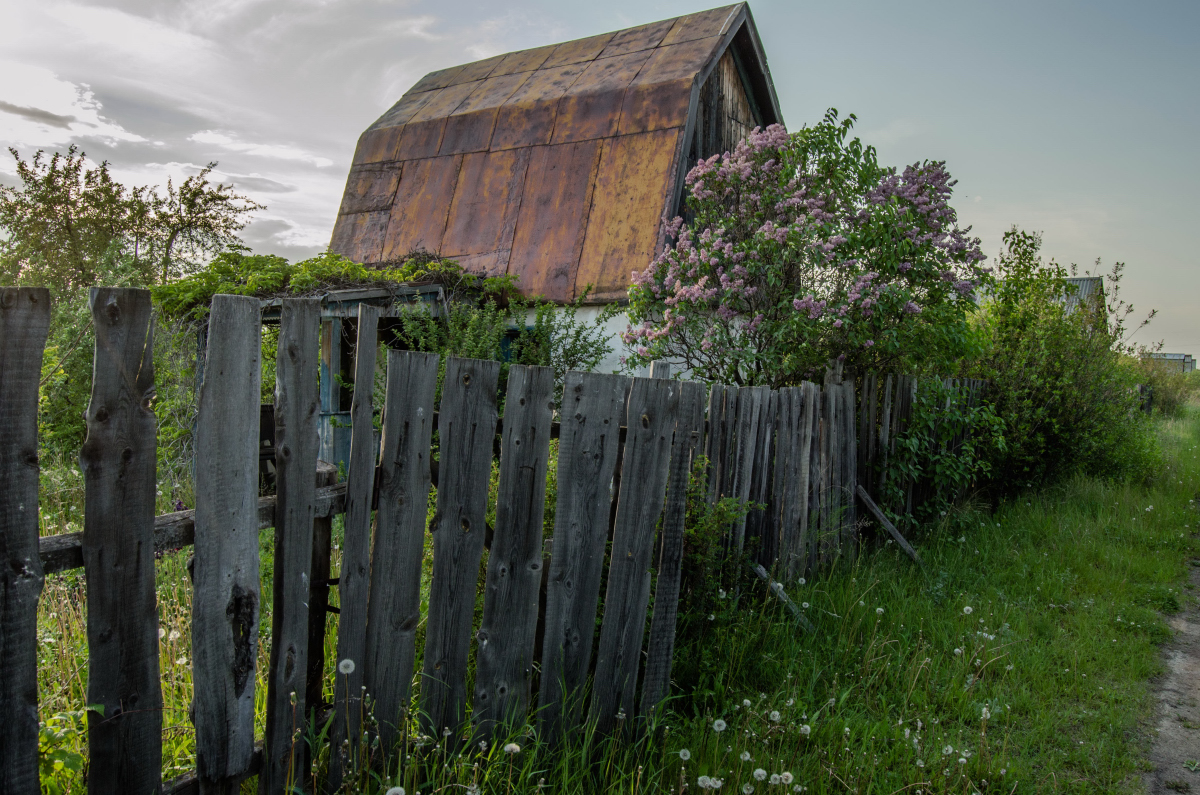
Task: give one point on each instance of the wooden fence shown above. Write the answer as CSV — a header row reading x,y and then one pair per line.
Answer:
x,y
626,447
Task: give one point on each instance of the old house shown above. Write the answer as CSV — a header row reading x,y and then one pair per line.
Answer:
x,y
557,164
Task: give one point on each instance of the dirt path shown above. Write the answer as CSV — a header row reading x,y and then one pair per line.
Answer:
x,y
1176,747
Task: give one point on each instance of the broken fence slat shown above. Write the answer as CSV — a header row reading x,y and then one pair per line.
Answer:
x,y
887,525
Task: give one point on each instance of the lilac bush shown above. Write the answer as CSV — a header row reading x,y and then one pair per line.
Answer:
x,y
799,249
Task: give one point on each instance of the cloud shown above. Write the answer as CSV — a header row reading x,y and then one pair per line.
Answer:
x,y
38,115
262,184
40,109
276,151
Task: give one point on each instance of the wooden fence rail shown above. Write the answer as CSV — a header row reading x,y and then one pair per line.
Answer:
x,y
625,453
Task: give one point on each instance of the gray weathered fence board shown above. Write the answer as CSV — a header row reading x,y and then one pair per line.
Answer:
x,y
759,521
24,324
354,577
394,609
885,434
296,443
721,441
119,464
592,413
466,427
506,640
318,599
653,405
225,605
689,427
751,402
792,478
849,470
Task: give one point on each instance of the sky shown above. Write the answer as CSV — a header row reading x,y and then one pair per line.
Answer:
x,y
1076,119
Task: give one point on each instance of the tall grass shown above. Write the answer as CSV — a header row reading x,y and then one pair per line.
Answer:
x,y
1019,659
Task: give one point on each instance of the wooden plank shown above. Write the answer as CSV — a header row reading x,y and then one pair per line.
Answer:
x,y
722,407
830,480
119,463
776,588
225,604
467,425
849,469
506,640
592,411
792,465
297,406
759,524
689,428
174,531
816,497
394,608
885,435
354,577
24,324
751,400
887,525
660,368
653,405
318,602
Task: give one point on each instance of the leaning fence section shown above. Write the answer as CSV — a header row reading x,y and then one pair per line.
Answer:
x,y
626,450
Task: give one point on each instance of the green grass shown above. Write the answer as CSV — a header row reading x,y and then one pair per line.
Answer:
x,y
1066,587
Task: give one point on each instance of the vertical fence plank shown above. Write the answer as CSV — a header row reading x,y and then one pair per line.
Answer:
x,y
849,469
792,477
353,579
507,633
119,465
886,421
592,411
759,520
750,403
225,606
24,324
653,405
721,443
318,602
466,428
394,609
689,427
297,404
816,497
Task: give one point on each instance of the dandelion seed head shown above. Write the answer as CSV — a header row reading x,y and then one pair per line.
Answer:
x,y
346,666
685,754
968,610
745,757
512,748
786,777
806,730
718,725
760,774
775,716
775,780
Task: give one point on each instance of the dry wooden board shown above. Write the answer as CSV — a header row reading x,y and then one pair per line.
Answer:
x,y
792,475
653,406
225,605
24,324
849,469
759,524
751,403
119,460
174,531
394,609
506,640
689,427
593,408
466,427
296,409
354,577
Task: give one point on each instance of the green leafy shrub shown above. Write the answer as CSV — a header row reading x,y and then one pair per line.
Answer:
x,y
1058,380
944,451
1170,389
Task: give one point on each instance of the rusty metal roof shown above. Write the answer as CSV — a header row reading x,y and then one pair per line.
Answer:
x,y
555,164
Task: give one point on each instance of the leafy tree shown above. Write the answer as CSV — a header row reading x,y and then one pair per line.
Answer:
x,y
800,249
67,223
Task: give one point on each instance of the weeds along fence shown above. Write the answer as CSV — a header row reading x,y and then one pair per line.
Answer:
x,y
626,448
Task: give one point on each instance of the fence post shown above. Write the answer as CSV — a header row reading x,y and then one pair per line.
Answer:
x,y
225,607
119,470
24,323
296,442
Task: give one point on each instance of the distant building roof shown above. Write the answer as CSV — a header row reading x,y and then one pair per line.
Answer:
x,y
557,164
1087,289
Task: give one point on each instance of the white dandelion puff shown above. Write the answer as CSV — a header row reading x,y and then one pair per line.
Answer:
x,y
346,667
747,788
775,716
685,754
806,730
786,777
968,610
774,781
879,611
949,749
718,725
745,757
396,791
512,748
760,774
